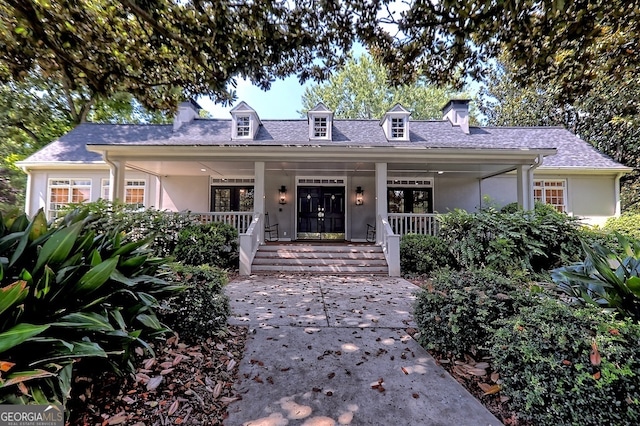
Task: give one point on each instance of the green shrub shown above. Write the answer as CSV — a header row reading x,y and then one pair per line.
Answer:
x,y
210,243
423,254
511,241
457,312
200,311
605,278
138,224
543,358
627,224
68,294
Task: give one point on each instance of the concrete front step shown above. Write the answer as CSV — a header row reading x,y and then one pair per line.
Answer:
x,y
329,259
328,269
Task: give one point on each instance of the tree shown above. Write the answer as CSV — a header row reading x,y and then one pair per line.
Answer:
x,y
361,90
163,50
36,110
607,116
159,50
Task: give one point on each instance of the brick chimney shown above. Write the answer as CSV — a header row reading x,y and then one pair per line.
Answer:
x,y
457,112
187,112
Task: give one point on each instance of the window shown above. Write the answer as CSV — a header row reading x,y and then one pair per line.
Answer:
x,y
410,200
243,126
63,192
320,127
134,191
397,128
231,199
551,192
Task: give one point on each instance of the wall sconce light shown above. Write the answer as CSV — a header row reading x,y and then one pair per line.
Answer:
x,y
359,195
283,194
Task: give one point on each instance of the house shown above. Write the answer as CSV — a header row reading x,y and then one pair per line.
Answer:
x,y
322,177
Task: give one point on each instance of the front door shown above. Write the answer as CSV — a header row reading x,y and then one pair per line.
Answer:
x,y
320,212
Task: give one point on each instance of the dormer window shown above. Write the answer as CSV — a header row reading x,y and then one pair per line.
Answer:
x,y
395,124
244,122
243,126
320,127
320,122
397,128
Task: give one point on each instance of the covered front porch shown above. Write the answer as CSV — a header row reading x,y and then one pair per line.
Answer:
x,y
319,193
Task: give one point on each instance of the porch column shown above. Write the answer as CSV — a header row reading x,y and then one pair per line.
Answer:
x,y
258,194
116,180
381,197
525,187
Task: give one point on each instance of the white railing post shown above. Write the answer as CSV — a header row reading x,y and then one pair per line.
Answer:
x,y
249,242
390,247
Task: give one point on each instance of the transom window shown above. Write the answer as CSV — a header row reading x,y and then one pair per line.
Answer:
x,y
231,199
134,192
320,127
63,192
552,192
243,125
397,128
410,200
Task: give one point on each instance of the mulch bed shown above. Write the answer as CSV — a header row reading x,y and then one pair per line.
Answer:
x,y
183,385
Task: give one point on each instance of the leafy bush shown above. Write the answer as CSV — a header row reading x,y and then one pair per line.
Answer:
x,y
548,355
605,278
67,294
627,224
200,311
423,254
457,312
138,224
210,243
511,241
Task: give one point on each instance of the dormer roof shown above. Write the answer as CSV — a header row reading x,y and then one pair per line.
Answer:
x,y
320,119
395,123
245,122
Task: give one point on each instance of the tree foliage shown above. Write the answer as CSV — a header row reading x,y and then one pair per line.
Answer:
x,y
36,110
159,50
607,116
361,90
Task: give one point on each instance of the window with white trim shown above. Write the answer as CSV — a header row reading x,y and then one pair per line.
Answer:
x,y
320,127
552,192
134,191
63,192
397,128
243,126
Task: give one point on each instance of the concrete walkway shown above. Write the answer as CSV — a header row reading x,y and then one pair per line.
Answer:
x,y
333,350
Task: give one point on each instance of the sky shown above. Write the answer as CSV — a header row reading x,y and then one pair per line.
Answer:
x,y
283,100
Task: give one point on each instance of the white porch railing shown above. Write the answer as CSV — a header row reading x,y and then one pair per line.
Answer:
x,y
249,242
414,223
239,220
390,247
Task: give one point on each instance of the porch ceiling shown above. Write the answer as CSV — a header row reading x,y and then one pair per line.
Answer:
x,y
349,168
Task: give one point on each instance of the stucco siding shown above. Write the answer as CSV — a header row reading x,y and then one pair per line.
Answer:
x,y
592,198
452,193
185,193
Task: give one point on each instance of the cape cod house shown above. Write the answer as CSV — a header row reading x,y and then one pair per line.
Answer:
x,y
323,178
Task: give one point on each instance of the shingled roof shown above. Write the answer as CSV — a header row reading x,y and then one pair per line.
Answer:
x,y
572,152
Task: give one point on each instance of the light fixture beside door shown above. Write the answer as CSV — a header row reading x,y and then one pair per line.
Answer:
x,y
359,196
283,194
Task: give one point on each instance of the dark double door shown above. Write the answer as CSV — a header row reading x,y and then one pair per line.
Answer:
x,y
321,213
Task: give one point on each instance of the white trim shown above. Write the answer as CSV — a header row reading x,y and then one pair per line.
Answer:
x,y
105,183
237,181
540,185
51,214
